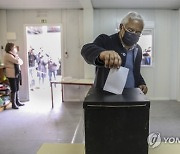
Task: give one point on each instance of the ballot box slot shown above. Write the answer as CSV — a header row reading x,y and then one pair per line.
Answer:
x,y
117,106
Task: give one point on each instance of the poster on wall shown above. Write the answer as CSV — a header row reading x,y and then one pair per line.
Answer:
x,y
53,29
34,30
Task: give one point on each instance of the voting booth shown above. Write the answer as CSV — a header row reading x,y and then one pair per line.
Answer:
x,y
116,124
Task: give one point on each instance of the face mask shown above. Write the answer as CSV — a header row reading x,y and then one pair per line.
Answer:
x,y
130,39
14,51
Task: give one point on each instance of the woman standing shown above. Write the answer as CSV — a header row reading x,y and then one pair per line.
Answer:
x,y
12,64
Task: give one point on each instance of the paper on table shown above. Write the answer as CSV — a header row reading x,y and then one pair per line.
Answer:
x,y
116,80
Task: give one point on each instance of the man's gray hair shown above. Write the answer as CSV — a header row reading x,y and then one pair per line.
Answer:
x,y
132,16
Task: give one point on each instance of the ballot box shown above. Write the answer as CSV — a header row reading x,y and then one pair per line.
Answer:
x,y
116,124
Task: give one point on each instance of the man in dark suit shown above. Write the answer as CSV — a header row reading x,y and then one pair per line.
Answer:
x,y
120,49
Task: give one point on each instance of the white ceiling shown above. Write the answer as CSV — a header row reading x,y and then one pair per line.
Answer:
x,y
39,4
150,4
79,4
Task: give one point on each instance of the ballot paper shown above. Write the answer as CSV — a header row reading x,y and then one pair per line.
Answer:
x,y
116,80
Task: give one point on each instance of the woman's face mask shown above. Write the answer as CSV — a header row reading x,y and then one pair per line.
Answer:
x,y
129,38
14,50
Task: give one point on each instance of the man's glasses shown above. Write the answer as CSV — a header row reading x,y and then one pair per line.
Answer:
x,y
130,30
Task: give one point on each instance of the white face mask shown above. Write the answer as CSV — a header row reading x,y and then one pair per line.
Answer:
x,y
14,50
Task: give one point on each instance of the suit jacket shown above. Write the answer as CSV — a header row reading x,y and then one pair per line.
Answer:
x,y
103,42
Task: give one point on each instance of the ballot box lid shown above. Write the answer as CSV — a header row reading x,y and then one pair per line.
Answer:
x,y
101,98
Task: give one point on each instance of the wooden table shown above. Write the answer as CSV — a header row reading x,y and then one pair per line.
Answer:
x,y
61,148
69,81
58,148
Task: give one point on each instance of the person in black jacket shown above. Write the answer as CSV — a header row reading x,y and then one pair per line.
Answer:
x,y
120,49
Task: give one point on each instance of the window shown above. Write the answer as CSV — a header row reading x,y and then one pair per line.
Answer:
x,y
146,43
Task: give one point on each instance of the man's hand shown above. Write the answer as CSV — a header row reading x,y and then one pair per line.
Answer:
x,y
111,59
143,88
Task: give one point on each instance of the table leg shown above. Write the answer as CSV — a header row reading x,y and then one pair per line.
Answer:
x,y
52,99
62,93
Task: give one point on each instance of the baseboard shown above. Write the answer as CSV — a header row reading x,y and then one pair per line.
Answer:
x,y
159,98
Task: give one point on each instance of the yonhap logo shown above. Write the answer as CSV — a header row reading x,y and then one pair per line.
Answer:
x,y
154,139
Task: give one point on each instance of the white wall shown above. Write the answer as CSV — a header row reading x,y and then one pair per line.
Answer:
x,y
2,31
178,57
162,77
88,21
71,21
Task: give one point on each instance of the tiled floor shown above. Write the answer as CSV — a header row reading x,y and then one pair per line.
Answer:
x,y
23,131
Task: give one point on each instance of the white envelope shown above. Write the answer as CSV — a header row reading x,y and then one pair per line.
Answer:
x,y
116,80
